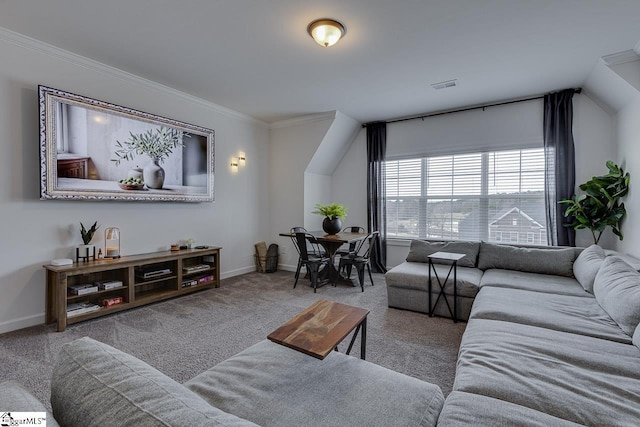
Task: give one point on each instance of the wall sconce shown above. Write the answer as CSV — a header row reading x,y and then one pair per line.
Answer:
x,y
112,242
234,163
242,158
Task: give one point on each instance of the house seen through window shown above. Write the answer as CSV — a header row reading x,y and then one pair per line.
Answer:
x,y
494,196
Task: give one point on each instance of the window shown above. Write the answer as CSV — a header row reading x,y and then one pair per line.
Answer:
x,y
476,196
530,238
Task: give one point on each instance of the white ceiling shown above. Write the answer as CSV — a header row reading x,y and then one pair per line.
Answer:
x,y
255,57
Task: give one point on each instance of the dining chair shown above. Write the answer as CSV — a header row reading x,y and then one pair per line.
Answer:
x,y
351,247
308,258
361,258
312,249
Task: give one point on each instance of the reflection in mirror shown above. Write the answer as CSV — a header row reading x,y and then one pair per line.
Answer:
x,y
90,149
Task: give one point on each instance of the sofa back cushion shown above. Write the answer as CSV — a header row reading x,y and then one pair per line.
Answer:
x,y
94,384
586,266
421,249
617,290
531,260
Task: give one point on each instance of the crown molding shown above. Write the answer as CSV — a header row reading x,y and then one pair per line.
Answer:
x,y
329,115
26,42
622,57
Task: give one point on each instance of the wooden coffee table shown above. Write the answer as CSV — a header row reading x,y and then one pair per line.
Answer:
x,y
318,329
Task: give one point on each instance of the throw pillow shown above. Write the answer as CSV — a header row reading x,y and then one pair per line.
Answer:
x,y
421,249
586,266
617,290
532,260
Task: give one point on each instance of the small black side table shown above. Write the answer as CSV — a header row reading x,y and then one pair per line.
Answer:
x,y
453,258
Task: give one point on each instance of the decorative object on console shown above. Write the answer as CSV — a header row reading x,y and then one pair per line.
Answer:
x,y
112,242
185,151
601,206
190,242
87,250
334,214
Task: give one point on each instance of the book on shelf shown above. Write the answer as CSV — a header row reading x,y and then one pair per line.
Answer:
x,y
109,284
108,302
83,289
209,258
188,283
195,268
205,279
152,273
79,308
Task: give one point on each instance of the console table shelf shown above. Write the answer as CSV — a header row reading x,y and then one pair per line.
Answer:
x,y
167,279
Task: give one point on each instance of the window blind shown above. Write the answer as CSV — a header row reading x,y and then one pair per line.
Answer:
x,y
494,196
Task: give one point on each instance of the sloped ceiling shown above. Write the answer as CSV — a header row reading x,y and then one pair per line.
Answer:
x,y
255,56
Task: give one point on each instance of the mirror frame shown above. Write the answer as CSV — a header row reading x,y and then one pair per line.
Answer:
x,y
50,98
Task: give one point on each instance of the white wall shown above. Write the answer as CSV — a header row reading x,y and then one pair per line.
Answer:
x,y
594,138
628,138
291,148
35,231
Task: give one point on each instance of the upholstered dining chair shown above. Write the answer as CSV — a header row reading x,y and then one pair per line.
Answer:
x,y
361,258
309,258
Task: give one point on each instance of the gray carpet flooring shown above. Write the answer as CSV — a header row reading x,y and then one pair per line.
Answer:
x,y
185,336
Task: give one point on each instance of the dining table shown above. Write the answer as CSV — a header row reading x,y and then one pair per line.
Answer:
x,y
331,243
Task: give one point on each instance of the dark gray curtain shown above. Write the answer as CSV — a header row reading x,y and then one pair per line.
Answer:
x,y
560,170
376,202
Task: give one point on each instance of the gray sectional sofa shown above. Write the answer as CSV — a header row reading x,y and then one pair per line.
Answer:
x,y
552,337
552,340
267,384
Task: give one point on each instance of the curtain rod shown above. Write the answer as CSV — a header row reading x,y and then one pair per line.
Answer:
x,y
424,116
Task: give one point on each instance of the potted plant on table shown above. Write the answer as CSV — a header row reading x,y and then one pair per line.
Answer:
x,y
158,144
600,207
334,214
87,250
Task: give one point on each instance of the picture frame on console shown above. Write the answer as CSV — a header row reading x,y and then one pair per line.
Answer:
x,y
95,150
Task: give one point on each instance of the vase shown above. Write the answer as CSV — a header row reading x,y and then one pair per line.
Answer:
x,y
332,226
153,174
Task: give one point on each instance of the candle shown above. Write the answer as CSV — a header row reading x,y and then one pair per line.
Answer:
x,y
112,252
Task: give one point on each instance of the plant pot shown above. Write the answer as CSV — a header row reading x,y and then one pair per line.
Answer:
x,y
332,226
85,252
153,174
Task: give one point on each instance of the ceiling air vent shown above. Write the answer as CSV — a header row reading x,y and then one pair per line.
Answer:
x,y
445,84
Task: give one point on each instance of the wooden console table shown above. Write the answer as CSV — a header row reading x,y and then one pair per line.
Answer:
x,y
145,278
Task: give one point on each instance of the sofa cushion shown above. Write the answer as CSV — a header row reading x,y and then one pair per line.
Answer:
x,y
273,385
533,282
413,275
566,313
586,266
467,409
558,261
631,260
617,290
94,384
636,338
578,378
421,249
15,398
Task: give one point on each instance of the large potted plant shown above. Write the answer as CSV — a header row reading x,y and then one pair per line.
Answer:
x,y
334,214
158,144
601,206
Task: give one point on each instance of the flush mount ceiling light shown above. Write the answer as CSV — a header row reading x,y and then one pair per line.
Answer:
x,y
326,32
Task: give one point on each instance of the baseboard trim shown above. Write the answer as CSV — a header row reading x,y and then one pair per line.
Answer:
x,y
237,272
21,322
